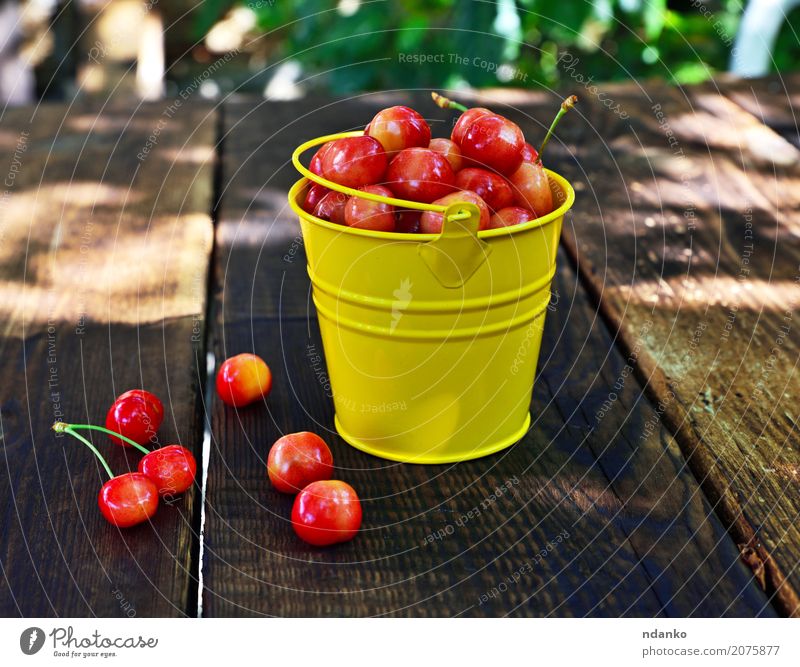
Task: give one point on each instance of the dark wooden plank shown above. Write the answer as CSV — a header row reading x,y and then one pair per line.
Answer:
x,y
104,263
773,100
642,540
687,232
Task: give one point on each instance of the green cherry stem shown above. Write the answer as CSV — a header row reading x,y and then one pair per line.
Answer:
x,y
566,105
61,427
102,429
445,103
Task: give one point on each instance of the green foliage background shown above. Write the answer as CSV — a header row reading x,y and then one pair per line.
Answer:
x,y
347,51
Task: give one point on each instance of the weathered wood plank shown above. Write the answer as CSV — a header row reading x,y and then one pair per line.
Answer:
x,y
687,232
641,541
104,261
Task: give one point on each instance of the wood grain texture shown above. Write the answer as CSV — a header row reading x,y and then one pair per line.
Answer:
x,y
103,262
637,537
686,229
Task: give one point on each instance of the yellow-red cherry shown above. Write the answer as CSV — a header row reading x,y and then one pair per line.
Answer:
x,y
129,499
243,379
172,468
136,414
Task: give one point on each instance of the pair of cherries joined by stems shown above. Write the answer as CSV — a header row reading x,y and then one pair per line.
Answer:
x,y
132,498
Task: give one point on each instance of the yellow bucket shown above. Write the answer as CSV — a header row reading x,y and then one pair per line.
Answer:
x,y
431,341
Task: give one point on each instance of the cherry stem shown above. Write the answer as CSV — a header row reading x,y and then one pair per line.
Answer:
x,y
445,103
566,105
61,427
92,427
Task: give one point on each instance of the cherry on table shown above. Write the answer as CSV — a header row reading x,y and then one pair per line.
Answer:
x,y
491,187
128,499
297,459
367,214
431,221
172,468
397,128
326,512
136,414
354,161
243,379
420,174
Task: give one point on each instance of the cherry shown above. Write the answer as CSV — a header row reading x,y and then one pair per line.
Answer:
x,y
510,216
431,221
529,153
464,120
326,512
315,166
172,468
494,142
313,196
354,161
397,128
532,188
124,500
450,151
420,174
128,499
367,214
407,221
297,459
530,182
492,188
136,414
331,207
243,379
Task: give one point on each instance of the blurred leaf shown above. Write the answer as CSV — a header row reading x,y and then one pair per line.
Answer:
x,y
654,14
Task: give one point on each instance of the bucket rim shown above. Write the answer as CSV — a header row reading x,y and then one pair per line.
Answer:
x,y
562,183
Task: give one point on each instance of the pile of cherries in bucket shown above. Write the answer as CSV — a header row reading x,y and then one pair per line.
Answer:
x,y
486,161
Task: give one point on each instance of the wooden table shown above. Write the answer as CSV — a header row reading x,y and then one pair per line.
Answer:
x,y
660,474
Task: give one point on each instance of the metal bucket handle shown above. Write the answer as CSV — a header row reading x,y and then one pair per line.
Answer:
x,y
454,255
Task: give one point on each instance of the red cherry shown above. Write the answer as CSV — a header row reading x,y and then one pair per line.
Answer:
x,y
494,142
492,188
465,120
128,499
397,128
529,153
136,414
331,207
172,469
366,214
407,221
313,196
450,151
315,167
431,221
243,379
532,188
326,512
354,162
420,174
510,216
296,460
